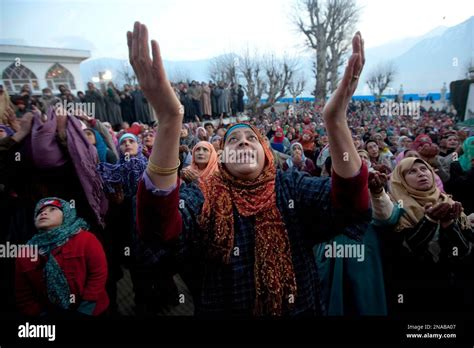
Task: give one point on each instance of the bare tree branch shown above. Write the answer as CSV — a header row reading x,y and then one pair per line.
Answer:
x,y
224,68
180,75
380,78
296,86
127,75
327,28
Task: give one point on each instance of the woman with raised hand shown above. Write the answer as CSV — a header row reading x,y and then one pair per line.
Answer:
x,y
70,271
249,234
427,251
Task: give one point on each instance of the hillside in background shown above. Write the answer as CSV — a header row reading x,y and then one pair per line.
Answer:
x,y
423,63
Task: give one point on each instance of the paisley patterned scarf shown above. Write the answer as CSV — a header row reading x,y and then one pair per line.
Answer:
x,y
275,279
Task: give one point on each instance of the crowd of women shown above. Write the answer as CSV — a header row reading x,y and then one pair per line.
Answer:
x,y
273,232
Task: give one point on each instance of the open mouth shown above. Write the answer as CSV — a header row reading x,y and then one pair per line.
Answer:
x,y
247,157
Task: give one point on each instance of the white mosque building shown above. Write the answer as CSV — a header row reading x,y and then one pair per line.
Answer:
x,y
40,67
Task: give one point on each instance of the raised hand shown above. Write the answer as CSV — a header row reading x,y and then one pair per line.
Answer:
x,y
24,127
382,168
377,182
159,93
456,210
336,108
346,161
152,77
80,114
429,150
189,175
438,212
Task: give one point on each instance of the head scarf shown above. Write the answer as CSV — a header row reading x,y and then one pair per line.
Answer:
x,y
126,172
278,140
233,127
190,140
127,136
135,129
308,145
273,269
216,138
201,129
100,145
401,139
289,161
147,149
420,141
56,282
47,153
466,159
414,201
211,166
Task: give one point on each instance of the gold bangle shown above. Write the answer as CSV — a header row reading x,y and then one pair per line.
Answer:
x,y
153,168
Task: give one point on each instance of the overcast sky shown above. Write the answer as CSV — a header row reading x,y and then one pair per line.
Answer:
x,y
199,29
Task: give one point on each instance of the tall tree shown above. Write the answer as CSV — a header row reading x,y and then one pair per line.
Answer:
x,y
225,68
296,86
327,26
265,77
380,78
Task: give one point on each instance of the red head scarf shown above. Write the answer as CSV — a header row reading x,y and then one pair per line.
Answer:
x,y
278,140
274,274
421,140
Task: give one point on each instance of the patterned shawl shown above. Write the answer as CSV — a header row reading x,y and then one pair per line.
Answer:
x,y
274,273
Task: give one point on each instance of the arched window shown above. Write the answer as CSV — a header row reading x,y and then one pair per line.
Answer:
x,y
16,75
58,75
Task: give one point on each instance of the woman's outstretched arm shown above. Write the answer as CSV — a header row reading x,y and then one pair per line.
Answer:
x,y
157,89
345,159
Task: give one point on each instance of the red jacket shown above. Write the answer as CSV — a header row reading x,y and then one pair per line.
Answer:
x,y
83,262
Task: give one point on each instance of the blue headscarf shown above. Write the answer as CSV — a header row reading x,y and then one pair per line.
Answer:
x,y
235,126
100,145
126,172
466,159
56,282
